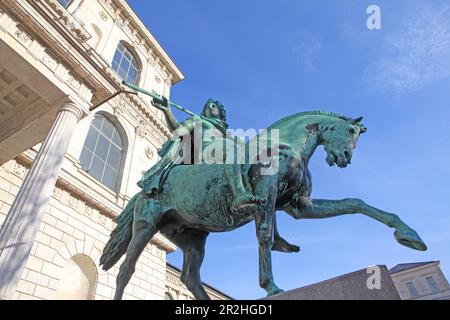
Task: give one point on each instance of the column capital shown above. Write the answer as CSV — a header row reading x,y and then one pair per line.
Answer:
x,y
67,104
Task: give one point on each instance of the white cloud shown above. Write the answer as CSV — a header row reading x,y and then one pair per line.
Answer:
x,y
306,47
417,55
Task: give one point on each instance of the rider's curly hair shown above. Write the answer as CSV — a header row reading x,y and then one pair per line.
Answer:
x,y
209,103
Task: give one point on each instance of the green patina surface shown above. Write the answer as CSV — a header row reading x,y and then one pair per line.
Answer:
x,y
187,202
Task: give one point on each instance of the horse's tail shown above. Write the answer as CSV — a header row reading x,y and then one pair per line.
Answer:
x,y
120,237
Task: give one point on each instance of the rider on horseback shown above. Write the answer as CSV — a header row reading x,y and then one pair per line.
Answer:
x,y
178,151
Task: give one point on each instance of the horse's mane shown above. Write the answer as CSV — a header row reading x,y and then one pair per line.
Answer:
x,y
305,113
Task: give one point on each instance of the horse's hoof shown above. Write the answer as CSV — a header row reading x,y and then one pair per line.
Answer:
x,y
282,245
410,239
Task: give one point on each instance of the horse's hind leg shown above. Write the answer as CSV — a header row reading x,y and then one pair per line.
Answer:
x,y
143,231
192,242
264,220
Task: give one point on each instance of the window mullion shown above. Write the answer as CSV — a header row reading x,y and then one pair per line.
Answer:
x,y
95,147
130,59
102,150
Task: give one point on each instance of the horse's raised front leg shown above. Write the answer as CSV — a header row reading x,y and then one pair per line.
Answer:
x,y
331,208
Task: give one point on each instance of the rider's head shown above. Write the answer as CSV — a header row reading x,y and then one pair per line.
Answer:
x,y
214,109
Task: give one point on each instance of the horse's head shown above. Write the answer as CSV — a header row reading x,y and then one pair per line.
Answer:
x,y
339,137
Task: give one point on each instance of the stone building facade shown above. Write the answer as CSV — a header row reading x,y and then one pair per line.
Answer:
x,y
405,281
66,170
420,281
176,290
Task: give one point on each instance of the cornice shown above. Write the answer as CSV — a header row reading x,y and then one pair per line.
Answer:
x,y
68,20
142,36
76,71
62,43
414,270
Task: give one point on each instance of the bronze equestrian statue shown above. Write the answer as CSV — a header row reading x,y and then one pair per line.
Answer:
x,y
185,202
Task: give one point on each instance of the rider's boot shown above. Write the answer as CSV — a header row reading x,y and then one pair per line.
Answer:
x,y
245,201
242,199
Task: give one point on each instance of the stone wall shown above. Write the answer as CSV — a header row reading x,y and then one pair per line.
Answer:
x,y
351,286
50,52
70,227
417,276
176,290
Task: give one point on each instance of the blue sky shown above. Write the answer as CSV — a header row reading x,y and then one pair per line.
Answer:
x,y
267,59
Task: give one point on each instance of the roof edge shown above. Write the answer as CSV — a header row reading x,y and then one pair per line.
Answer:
x,y
417,266
154,44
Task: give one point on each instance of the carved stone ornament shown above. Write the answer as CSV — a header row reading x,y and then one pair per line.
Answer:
x,y
73,82
140,131
19,170
118,110
49,61
103,15
22,37
149,152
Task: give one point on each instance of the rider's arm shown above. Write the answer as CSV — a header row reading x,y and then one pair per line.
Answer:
x,y
163,104
172,121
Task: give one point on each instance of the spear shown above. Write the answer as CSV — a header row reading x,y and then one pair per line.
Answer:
x,y
157,99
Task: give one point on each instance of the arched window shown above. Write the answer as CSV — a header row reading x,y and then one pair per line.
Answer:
x,y
65,3
168,296
126,64
78,279
102,153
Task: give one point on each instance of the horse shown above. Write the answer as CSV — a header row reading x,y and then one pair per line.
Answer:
x,y
196,199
